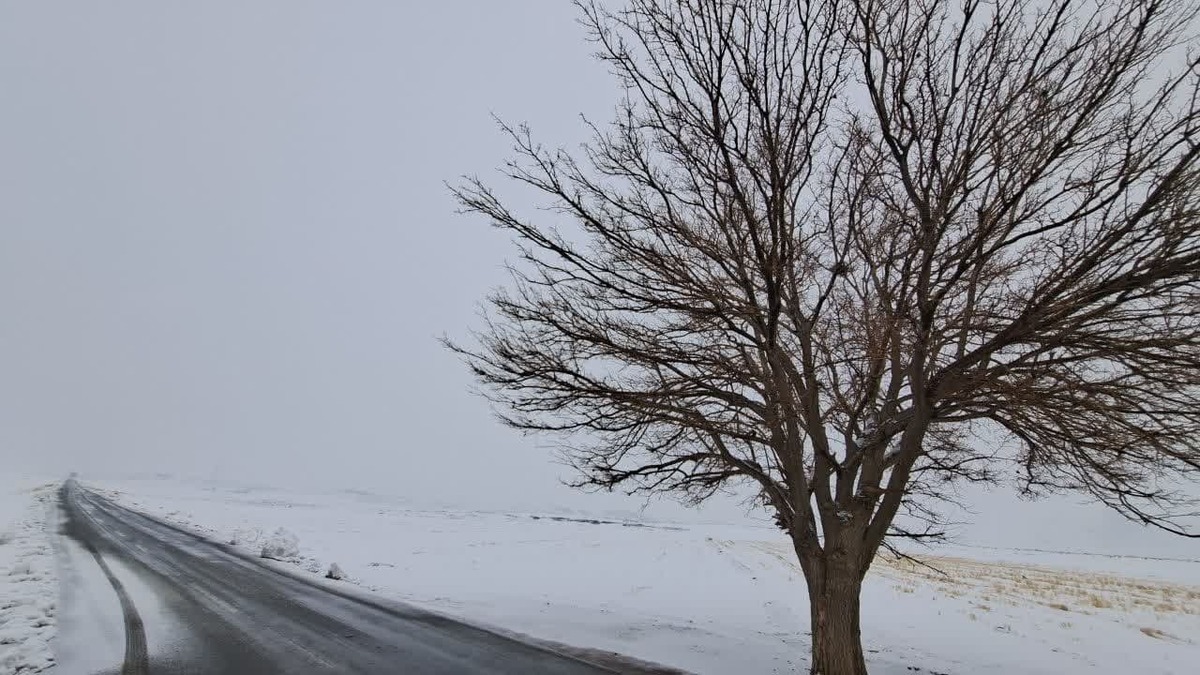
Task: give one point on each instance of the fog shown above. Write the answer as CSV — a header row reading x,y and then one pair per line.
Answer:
x,y
226,244
227,248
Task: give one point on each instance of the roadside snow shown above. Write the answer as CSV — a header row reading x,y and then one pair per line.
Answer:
x,y
713,598
335,572
28,585
282,545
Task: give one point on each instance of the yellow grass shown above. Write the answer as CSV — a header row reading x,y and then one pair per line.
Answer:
x,y
1064,590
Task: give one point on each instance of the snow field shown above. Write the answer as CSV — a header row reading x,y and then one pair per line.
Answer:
x,y
713,598
28,584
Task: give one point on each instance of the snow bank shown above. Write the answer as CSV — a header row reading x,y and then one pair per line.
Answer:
x,y
28,586
283,545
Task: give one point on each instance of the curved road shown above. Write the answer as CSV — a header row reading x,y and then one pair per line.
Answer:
x,y
240,615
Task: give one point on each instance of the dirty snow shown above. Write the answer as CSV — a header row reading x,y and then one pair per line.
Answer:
x,y
28,585
713,598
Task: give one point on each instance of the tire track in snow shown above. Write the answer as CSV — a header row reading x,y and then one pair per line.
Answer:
x,y
137,657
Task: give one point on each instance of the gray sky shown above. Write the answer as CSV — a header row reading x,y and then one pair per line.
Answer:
x,y
226,248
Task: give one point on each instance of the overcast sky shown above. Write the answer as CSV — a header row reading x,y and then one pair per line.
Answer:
x,y
225,242
226,248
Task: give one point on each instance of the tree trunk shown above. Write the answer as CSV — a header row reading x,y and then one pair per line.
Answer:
x,y
836,635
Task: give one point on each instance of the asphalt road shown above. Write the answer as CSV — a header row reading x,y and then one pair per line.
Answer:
x,y
240,615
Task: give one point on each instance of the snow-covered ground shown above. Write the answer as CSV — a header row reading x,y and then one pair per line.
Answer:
x,y
709,597
28,583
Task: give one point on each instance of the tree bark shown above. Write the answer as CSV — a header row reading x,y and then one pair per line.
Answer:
x,y
836,633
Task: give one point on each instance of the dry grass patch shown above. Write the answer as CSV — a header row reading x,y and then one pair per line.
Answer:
x,y
1154,633
1056,588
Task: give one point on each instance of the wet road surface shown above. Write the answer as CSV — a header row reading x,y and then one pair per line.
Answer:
x,y
239,615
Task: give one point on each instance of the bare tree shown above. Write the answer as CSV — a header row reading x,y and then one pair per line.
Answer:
x,y
824,244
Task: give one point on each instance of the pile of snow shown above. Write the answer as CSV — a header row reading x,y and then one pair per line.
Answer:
x,y
712,598
283,545
28,585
